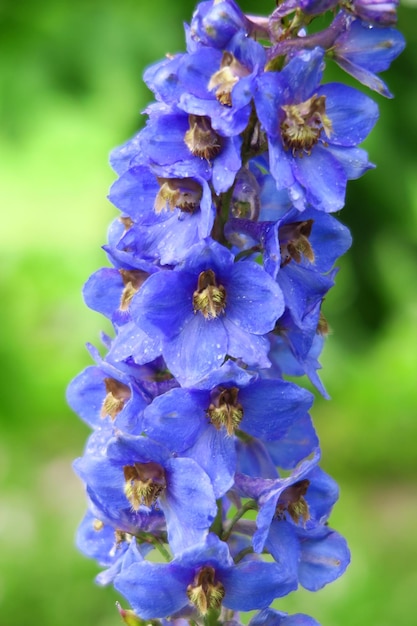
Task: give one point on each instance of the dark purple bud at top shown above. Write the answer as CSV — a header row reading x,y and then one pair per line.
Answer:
x,y
214,23
382,12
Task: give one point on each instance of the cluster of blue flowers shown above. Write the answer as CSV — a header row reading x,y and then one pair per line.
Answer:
x,y
203,457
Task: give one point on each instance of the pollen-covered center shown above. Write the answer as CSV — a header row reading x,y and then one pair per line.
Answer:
x,y
132,280
117,394
205,592
182,193
201,139
223,81
303,125
209,298
292,501
294,242
322,325
225,410
144,482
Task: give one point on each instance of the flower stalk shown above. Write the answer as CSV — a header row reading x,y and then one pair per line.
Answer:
x,y
203,458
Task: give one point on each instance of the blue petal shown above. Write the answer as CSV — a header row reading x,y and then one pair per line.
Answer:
x,y
85,395
254,300
298,443
373,49
164,303
323,179
132,341
272,406
251,349
176,418
254,460
352,114
303,73
154,590
103,479
270,617
103,290
322,560
189,503
254,584
200,347
215,452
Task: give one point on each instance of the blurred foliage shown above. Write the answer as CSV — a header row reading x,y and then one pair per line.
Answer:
x,y
70,90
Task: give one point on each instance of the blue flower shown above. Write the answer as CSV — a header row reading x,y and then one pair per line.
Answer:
x,y
215,23
136,472
100,393
270,617
212,83
173,136
363,52
167,214
208,308
112,548
201,422
313,130
204,576
381,12
318,556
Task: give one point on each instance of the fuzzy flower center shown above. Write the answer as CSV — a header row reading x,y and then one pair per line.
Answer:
x,y
303,125
209,298
132,280
322,326
182,193
294,242
144,482
117,394
223,81
292,501
201,139
224,410
205,592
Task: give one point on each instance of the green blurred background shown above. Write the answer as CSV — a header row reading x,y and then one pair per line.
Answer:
x,y
70,90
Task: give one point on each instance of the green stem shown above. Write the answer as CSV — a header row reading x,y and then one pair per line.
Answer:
x,y
217,525
211,618
248,506
242,554
156,542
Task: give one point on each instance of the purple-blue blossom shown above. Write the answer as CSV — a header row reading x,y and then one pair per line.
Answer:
x,y
204,492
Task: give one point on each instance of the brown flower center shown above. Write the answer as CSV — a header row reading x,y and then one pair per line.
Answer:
x,y
209,298
182,193
117,395
223,81
303,125
224,410
205,592
292,501
143,483
294,242
132,280
201,139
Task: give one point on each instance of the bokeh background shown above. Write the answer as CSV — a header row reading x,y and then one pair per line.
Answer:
x,y
70,90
